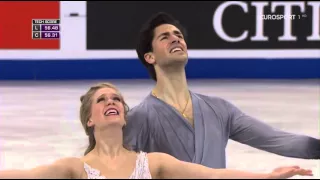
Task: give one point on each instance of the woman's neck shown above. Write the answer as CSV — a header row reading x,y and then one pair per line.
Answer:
x,y
109,142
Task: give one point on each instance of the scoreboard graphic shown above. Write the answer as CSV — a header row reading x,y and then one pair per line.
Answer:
x,y
45,29
30,25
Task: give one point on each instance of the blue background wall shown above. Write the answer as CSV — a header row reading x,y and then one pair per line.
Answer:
x,y
133,69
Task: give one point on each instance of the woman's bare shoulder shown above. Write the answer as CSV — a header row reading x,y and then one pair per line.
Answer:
x,y
157,159
74,165
69,161
159,156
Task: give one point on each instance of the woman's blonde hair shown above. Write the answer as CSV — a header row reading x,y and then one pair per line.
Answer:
x,y
85,111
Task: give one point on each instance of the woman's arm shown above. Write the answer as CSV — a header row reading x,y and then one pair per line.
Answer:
x,y
61,169
170,167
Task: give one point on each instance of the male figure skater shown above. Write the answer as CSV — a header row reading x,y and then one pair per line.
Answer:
x,y
189,126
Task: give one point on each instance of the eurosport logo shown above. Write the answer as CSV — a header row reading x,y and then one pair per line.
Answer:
x,y
283,17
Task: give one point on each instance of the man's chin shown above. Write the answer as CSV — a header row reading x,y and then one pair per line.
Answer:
x,y
176,62
179,57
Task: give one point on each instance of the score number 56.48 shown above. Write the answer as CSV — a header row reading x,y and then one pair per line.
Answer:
x,y
51,27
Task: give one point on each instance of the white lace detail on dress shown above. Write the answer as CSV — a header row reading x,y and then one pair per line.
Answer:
x,y
141,171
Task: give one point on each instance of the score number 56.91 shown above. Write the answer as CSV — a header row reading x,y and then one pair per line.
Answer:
x,y
51,35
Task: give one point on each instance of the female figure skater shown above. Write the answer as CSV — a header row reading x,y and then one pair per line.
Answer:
x,y
103,116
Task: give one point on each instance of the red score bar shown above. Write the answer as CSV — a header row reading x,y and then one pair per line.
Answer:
x,y
16,23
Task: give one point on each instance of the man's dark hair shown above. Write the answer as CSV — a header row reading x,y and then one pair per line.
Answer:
x,y
146,36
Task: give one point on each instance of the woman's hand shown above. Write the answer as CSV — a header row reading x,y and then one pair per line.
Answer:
x,y
287,172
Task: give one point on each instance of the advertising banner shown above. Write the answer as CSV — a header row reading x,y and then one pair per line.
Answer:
x,y
210,24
